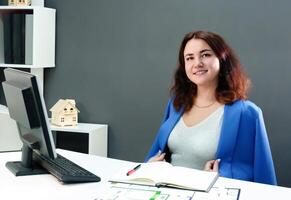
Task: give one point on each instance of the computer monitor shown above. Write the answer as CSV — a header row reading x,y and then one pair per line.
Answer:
x,y
26,106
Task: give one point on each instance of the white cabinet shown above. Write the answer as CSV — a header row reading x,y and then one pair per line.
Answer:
x,y
34,32
84,138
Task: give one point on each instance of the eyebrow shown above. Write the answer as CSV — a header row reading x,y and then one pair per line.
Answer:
x,y
202,51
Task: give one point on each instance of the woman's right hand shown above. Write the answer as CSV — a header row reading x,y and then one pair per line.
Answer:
x,y
212,165
158,157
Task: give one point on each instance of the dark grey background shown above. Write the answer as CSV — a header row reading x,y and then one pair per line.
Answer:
x,y
117,58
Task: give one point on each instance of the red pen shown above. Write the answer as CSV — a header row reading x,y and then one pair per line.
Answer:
x,y
133,170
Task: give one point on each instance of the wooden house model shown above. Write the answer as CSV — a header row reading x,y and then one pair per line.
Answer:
x,y
19,2
64,113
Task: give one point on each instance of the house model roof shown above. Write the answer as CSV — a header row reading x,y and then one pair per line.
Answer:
x,y
59,106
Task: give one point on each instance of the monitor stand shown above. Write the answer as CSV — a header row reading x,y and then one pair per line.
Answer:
x,y
26,166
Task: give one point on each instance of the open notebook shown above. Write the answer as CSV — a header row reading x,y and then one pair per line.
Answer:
x,y
163,174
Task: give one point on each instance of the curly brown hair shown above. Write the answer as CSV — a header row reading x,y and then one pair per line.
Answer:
x,y
233,83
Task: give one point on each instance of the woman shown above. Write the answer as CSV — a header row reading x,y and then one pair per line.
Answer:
x,y
209,123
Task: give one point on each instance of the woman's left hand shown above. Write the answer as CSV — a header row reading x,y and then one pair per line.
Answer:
x,y
212,165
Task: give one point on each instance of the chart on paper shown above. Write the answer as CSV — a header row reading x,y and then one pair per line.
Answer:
x,y
120,191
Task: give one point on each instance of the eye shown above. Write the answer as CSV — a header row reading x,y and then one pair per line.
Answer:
x,y
189,58
205,55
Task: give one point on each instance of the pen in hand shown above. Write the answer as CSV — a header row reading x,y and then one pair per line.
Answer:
x,y
133,170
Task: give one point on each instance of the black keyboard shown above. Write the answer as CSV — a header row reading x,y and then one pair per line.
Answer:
x,y
65,170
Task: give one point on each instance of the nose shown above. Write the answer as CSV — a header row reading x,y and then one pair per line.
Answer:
x,y
198,63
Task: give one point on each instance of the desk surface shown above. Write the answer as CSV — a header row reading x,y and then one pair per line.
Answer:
x,y
47,187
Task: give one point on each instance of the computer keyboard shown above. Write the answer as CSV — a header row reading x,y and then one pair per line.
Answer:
x,y
65,170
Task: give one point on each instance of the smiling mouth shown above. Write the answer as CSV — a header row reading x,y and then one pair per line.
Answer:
x,y
200,72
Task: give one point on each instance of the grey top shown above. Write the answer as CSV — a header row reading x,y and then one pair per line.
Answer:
x,y
194,146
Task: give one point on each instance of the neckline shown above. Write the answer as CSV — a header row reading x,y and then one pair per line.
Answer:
x,y
207,106
204,120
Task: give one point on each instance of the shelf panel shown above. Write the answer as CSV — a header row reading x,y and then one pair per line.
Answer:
x,y
23,66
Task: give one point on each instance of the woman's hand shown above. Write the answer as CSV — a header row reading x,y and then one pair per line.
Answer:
x,y
158,157
212,165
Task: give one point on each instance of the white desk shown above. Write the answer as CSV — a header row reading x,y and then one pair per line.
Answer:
x,y
46,187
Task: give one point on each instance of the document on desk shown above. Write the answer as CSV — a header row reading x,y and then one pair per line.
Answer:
x,y
163,174
120,191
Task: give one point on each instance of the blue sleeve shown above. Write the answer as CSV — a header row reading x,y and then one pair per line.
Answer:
x,y
264,171
244,147
155,146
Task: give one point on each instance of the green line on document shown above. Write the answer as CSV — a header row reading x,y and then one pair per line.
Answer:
x,y
155,195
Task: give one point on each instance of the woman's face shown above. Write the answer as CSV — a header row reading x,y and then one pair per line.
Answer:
x,y
201,64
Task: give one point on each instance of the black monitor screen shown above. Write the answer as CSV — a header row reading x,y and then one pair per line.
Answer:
x,y
26,106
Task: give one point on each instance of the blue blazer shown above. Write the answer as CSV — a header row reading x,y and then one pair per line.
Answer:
x,y
243,145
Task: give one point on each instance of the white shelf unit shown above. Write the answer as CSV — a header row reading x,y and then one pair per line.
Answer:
x,y
40,23
40,35
94,137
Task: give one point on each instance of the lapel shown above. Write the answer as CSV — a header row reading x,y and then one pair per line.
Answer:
x,y
229,130
168,125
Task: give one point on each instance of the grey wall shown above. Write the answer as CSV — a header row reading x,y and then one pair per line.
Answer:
x,y
117,58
